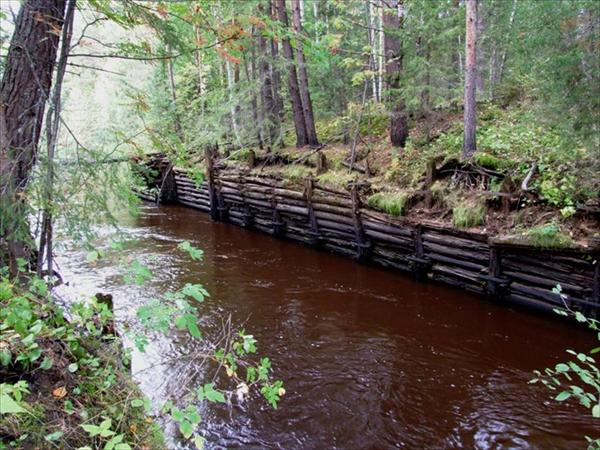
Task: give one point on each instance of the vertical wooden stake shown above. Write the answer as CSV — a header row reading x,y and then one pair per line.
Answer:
x,y
212,194
361,242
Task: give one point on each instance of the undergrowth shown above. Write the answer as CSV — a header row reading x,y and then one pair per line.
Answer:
x,y
66,383
548,235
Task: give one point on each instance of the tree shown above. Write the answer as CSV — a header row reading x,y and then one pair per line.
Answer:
x,y
296,100
311,132
24,91
469,146
393,18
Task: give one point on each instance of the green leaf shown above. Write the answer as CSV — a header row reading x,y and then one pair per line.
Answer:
x,y
92,430
5,357
187,429
195,253
54,436
596,411
562,396
137,403
73,367
196,291
9,406
194,330
46,363
212,394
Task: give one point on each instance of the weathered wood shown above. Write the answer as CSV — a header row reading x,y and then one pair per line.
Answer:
x,y
338,222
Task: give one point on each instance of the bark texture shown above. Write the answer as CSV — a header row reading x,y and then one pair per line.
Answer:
x,y
288,53
309,120
392,22
469,146
24,90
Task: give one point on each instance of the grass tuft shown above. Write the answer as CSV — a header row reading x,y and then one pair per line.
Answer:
x,y
337,178
393,203
468,213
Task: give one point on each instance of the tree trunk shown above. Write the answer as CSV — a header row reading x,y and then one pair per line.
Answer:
x,y
253,100
266,91
470,146
275,75
311,132
173,88
392,22
288,53
52,127
23,93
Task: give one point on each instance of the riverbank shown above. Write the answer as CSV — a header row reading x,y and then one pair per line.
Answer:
x,y
66,384
344,221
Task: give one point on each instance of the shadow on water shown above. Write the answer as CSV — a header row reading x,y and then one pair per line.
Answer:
x,y
369,358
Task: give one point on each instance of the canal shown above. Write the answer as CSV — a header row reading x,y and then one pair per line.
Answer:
x,y
370,358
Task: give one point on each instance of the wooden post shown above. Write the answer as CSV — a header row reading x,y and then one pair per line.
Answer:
x,y
313,231
212,194
278,223
495,284
248,217
167,192
362,244
419,262
251,159
321,163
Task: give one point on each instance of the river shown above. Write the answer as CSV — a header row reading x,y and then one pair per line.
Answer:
x,y
370,358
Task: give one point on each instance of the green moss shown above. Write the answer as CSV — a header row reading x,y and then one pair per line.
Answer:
x,y
489,161
468,213
548,235
393,203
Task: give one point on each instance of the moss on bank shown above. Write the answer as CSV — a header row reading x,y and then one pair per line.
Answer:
x,y
66,384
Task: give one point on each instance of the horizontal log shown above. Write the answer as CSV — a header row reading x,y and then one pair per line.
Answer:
x,y
478,268
431,248
463,274
453,241
398,241
548,284
387,229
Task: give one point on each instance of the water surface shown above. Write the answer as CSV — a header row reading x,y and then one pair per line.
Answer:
x,y
370,358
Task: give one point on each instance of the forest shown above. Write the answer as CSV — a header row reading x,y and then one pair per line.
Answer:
x,y
458,140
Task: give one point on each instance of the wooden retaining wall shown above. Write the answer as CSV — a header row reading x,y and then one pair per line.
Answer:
x,y
338,221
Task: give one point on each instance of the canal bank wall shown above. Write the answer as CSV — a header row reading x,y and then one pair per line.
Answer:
x,y
339,221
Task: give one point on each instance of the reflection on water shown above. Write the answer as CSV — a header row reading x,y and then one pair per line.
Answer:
x,y
369,358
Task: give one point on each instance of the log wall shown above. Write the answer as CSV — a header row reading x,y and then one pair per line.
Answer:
x,y
337,220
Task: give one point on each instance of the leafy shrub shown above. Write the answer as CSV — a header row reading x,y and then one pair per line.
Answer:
x,y
578,378
393,203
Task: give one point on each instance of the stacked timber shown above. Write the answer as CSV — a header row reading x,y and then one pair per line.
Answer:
x,y
337,220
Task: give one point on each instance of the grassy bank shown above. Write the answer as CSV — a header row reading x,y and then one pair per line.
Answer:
x,y
558,204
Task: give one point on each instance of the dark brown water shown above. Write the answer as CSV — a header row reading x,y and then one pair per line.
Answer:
x,y
370,358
